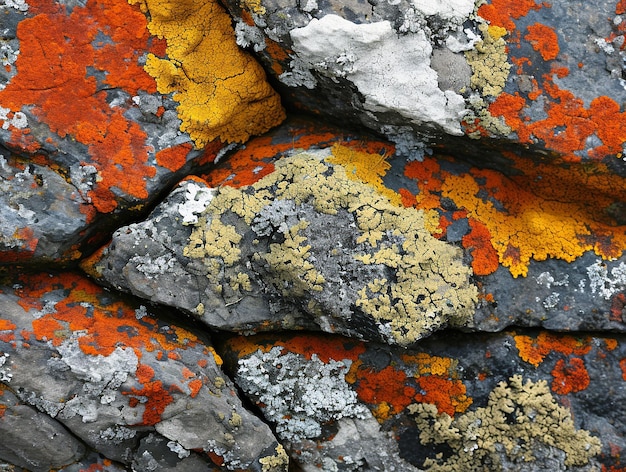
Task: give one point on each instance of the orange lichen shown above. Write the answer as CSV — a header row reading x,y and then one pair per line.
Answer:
x,y
222,91
544,40
54,81
534,349
449,396
611,344
173,158
157,397
571,377
503,12
540,212
478,242
387,385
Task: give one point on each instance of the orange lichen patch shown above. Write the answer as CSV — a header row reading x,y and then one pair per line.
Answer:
x,y
221,90
541,213
388,385
503,12
366,167
195,386
618,307
534,350
6,325
544,40
449,396
478,242
157,397
57,52
326,347
622,365
105,325
611,344
173,158
571,377
433,365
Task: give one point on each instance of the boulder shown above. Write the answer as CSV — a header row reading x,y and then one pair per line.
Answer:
x,y
105,371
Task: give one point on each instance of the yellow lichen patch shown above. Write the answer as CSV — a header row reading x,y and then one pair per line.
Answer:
x,y
428,286
488,435
255,6
221,90
488,61
289,262
278,461
369,168
551,220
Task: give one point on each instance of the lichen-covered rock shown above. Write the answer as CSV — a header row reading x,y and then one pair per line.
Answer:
x,y
418,71
131,387
89,138
530,401
259,257
540,255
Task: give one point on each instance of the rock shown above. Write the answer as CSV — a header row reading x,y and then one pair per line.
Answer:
x,y
541,77
23,426
90,138
524,400
136,389
258,257
540,256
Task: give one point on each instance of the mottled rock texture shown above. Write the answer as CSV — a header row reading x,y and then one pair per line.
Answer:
x,y
268,235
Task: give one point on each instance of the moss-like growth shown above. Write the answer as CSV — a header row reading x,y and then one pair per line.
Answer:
x,y
517,419
334,247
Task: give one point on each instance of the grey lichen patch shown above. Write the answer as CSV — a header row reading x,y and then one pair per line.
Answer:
x,y
299,395
332,248
519,419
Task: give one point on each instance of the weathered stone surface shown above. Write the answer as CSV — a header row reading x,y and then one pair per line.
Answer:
x,y
129,386
540,255
22,426
89,137
520,400
544,76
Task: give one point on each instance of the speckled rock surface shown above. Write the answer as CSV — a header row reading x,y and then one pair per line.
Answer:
x,y
543,77
106,374
533,261
89,138
442,179
438,406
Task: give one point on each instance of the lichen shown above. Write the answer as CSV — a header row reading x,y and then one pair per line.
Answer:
x,y
427,286
517,419
222,90
278,461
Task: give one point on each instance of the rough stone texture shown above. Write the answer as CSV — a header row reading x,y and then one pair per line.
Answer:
x,y
127,385
126,150
540,76
553,395
536,262
88,140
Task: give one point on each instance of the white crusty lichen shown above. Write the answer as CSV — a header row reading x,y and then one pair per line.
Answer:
x,y
519,419
604,284
197,198
392,72
298,395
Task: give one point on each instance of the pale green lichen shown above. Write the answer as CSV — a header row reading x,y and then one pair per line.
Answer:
x,y
427,286
517,419
490,70
278,461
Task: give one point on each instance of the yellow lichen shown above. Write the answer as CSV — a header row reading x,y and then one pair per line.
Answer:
x,y
430,287
488,61
369,168
221,90
518,417
255,6
278,461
